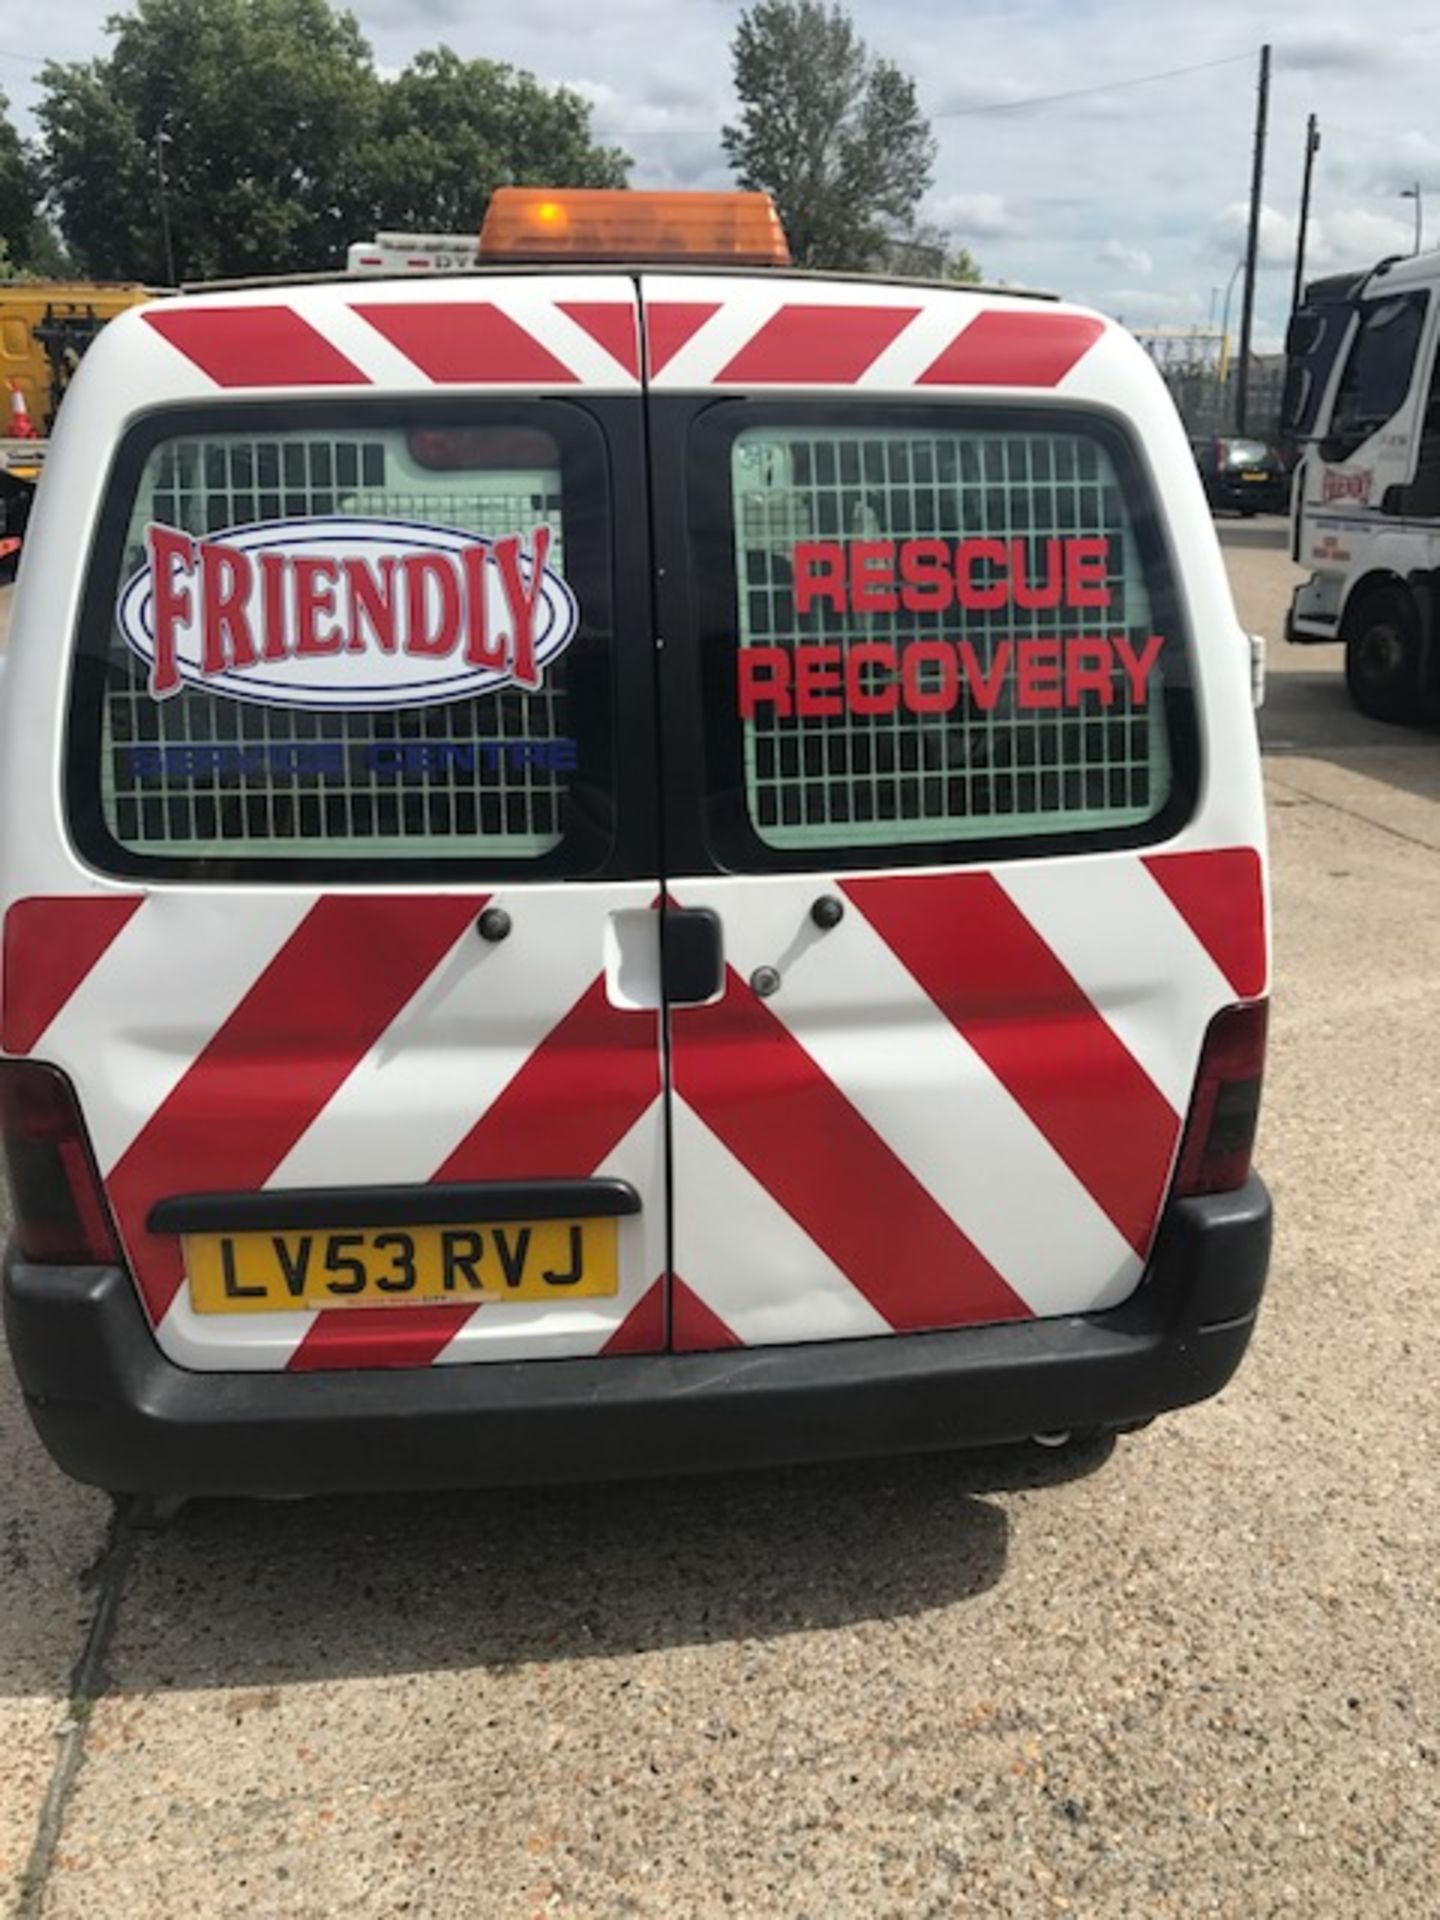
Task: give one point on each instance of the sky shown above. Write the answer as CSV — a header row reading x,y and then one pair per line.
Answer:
x,y
1128,194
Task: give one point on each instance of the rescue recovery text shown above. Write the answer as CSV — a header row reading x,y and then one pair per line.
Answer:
x,y
931,576
865,674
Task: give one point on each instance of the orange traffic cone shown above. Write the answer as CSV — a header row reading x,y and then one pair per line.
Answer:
x,y
22,427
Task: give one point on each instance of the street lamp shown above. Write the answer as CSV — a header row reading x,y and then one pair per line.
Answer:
x,y
1222,365
162,140
1413,193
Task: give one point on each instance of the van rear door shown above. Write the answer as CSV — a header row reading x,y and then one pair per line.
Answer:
x,y
349,945
934,762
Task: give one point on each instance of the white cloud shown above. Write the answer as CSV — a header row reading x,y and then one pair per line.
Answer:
x,y
1116,253
1338,48
971,215
666,102
1377,169
1356,237
1146,306
972,97
1142,185
1229,235
666,127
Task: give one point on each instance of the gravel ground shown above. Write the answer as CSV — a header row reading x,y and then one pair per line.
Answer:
x,y
1195,1673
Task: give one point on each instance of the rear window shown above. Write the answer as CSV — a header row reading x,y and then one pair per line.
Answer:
x,y
357,640
935,632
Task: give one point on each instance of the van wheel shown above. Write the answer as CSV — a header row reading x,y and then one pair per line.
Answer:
x,y
1382,655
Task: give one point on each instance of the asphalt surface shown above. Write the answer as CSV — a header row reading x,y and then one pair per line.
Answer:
x,y
1192,1674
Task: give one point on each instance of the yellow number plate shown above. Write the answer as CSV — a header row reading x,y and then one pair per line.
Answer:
x,y
400,1266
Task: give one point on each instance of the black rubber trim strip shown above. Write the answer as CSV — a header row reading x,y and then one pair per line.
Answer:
x,y
472,1200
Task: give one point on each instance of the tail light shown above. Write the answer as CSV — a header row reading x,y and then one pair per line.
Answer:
x,y
1222,453
61,1218
1219,1133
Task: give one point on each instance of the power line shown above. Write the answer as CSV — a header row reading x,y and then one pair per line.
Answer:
x,y
33,59
960,113
1081,93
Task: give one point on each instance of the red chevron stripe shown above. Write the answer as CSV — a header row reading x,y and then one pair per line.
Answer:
x,y
643,1328
756,1088
695,1327
576,1097
310,1018
669,324
380,1337
612,325
51,945
1005,349
998,983
573,1101
255,347
810,345
1221,895
469,341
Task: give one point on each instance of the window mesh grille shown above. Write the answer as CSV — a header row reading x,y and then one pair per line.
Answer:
x,y
249,779
857,779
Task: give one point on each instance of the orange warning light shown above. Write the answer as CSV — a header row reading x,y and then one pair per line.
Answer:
x,y
600,224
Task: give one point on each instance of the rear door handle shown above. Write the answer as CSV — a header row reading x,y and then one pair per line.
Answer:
x,y
692,962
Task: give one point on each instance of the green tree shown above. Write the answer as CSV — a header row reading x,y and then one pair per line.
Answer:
x,y
22,230
927,253
452,130
257,111
833,133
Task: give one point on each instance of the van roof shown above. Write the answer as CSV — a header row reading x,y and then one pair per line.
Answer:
x,y
505,270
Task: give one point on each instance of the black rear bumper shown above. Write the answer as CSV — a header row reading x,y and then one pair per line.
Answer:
x,y
1256,496
113,1411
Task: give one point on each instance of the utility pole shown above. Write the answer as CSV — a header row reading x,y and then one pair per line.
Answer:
x,y
1252,244
1312,147
162,140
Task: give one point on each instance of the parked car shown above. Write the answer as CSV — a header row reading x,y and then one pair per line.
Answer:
x,y
1246,475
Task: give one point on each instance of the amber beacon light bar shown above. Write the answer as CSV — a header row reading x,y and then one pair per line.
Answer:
x,y
706,229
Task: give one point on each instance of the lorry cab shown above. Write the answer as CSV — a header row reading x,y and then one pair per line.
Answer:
x,y
1363,396
627,862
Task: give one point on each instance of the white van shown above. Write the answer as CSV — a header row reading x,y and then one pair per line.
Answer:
x,y
622,867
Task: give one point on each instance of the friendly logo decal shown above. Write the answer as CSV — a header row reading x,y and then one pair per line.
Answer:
x,y
346,613
1347,483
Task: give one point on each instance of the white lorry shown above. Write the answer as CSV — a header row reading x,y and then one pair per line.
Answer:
x,y
1363,400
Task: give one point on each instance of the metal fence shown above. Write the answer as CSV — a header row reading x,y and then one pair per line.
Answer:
x,y
1207,402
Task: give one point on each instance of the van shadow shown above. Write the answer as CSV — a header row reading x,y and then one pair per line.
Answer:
x,y
254,1594
1268,530
1309,715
